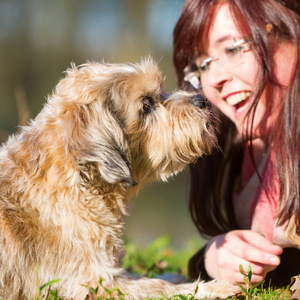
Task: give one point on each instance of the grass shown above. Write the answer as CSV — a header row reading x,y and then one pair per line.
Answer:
x,y
157,259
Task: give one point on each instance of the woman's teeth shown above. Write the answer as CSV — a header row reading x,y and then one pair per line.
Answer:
x,y
237,98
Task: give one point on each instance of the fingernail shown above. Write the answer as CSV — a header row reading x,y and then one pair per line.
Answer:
x,y
277,250
274,261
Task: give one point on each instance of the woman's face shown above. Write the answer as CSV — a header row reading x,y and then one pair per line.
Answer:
x,y
230,83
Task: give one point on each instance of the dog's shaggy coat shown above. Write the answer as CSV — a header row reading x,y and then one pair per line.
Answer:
x,y
67,178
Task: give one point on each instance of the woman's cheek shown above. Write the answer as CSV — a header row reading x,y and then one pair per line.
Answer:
x,y
211,94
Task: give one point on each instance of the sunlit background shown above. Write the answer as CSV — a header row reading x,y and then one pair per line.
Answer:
x,y
38,41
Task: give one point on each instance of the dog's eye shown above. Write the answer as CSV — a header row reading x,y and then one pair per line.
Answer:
x,y
148,105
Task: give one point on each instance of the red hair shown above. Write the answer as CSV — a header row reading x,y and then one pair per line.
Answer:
x,y
214,178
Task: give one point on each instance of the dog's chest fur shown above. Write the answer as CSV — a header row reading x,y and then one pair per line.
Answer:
x,y
66,217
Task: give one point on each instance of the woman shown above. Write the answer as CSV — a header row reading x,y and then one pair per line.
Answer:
x,y
244,57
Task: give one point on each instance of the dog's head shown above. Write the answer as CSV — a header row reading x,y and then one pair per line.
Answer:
x,y
120,128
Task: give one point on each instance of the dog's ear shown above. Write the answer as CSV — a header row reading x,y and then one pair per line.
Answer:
x,y
94,135
99,147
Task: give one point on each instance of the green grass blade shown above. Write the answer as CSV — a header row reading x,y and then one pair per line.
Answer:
x,y
49,283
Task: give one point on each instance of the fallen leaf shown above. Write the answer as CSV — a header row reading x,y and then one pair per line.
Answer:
x,y
239,296
295,288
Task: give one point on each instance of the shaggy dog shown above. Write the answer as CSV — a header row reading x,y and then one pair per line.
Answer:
x,y
67,178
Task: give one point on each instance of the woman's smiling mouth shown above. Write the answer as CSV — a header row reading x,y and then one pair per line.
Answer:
x,y
235,99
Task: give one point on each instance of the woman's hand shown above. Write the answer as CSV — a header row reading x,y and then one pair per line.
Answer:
x,y
224,253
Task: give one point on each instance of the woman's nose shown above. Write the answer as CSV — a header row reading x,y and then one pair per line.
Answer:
x,y
218,75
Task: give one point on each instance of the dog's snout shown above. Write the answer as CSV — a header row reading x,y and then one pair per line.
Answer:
x,y
199,101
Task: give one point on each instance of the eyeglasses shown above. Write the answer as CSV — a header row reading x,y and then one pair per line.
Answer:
x,y
229,55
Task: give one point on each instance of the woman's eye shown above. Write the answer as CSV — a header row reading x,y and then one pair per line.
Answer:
x,y
233,50
204,66
237,48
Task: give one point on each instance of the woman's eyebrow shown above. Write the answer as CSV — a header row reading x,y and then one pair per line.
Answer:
x,y
219,41
224,38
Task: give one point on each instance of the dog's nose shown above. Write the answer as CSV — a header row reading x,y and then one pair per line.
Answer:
x,y
199,101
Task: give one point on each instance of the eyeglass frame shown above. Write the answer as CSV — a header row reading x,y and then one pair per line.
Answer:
x,y
193,73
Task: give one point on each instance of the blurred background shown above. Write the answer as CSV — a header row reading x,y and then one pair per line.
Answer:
x,y
38,41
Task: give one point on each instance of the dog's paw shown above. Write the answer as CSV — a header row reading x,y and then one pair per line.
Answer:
x,y
216,289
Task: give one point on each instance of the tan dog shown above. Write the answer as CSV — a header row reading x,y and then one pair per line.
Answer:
x,y
67,178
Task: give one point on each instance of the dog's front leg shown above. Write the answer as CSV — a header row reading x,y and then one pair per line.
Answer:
x,y
143,288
